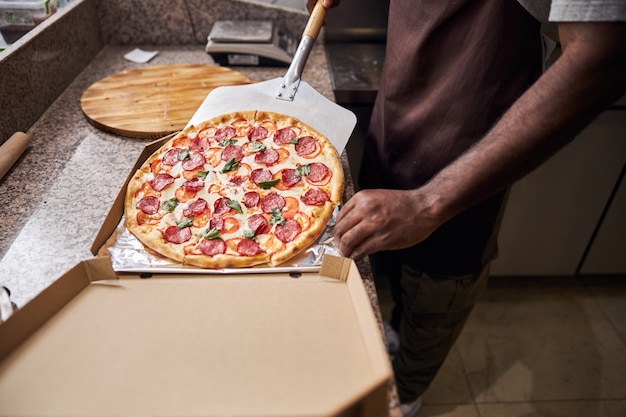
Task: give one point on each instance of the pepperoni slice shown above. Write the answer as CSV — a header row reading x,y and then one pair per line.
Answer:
x,y
200,144
199,206
318,172
306,145
289,177
193,185
260,175
171,157
161,181
248,247
232,152
174,234
272,201
237,180
149,204
216,223
288,232
220,206
225,133
251,199
315,197
195,162
257,223
257,133
284,136
212,247
268,157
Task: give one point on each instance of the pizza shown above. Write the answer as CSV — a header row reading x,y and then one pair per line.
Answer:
x,y
242,189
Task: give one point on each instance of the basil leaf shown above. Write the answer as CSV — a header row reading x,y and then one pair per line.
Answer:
x,y
210,234
248,233
234,205
277,217
227,142
186,222
256,147
183,154
231,165
170,204
266,185
203,174
303,170
294,141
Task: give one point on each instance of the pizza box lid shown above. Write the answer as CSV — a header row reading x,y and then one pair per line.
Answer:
x,y
97,343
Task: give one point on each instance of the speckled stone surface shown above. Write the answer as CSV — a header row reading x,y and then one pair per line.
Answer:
x,y
184,22
59,192
37,68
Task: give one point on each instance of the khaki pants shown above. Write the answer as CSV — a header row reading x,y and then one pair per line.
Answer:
x,y
429,314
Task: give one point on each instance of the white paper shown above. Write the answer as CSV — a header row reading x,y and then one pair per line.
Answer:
x,y
139,56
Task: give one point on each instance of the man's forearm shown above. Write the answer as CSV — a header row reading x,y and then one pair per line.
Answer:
x,y
590,74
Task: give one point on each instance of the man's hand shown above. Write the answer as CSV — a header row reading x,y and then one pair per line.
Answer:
x,y
375,220
310,4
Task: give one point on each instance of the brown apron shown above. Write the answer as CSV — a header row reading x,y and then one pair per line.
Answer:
x,y
469,60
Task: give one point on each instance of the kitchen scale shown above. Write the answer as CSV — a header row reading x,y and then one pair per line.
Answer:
x,y
250,42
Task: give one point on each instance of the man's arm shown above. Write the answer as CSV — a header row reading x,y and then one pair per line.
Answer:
x,y
589,75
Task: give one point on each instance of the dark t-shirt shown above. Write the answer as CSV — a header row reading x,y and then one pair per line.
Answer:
x,y
452,68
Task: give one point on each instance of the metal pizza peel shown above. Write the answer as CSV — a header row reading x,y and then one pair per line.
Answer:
x,y
288,95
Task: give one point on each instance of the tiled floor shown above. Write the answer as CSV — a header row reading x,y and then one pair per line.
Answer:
x,y
537,348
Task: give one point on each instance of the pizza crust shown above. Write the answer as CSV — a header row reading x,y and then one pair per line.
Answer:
x,y
226,261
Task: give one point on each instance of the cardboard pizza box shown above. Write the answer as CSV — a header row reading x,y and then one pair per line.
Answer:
x,y
97,343
286,343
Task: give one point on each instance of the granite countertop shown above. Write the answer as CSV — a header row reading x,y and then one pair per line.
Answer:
x,y
57,195
59,192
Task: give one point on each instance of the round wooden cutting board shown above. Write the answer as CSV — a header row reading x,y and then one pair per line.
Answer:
x,y
153,101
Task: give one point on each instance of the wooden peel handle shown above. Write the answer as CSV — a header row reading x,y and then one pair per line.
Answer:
x,y
11,150
316,20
